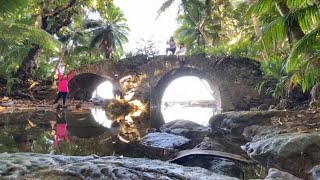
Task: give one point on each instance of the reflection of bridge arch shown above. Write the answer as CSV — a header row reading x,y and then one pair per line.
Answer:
x,y
233,79
158,92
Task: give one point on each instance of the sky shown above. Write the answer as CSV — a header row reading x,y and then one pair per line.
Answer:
x,y
141,16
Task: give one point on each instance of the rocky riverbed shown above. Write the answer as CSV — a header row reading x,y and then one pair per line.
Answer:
x,y
269,144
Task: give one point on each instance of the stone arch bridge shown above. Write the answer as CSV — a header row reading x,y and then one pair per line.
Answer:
x,y
233,81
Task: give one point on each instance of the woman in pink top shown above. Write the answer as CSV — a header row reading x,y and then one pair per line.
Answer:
x,y
61,132
63,81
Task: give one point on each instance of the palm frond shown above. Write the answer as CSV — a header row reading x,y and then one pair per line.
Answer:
x,y
97,38
308,17
260,7
89,24
275,31
21,33
302,46
164,7
12,6
298,3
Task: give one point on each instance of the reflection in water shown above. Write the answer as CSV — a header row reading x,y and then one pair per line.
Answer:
x,y
61,128
76,133
99,115
198,114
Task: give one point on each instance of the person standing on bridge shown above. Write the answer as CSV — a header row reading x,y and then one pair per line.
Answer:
x,y
172,46
63,81
180,53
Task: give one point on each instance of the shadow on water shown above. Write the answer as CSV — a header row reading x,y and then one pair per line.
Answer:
x,y
62,132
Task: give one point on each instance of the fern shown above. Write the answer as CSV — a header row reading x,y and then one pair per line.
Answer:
x,y
21,33
275,78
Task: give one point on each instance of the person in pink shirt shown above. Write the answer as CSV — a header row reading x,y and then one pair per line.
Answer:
x,y
63,81
61,128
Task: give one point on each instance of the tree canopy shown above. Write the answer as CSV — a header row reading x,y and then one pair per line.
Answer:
x,y
37,35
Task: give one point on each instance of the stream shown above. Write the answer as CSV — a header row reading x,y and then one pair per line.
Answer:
x,y
87,132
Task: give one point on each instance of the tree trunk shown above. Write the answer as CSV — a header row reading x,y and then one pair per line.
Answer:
x,y
28,63
294,28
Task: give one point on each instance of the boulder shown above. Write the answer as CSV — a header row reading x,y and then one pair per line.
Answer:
x,y
235,122
189,129
43,166
293,152
164,140
280,175
217,165
314,173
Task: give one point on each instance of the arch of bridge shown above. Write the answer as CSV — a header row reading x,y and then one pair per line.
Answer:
x,y
233,81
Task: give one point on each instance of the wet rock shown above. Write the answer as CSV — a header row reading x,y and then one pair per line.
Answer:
x,y
164,140
292,152
191,130
235,122
32,166
280,175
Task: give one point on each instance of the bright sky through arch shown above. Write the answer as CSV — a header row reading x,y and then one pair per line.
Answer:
x,y
141,16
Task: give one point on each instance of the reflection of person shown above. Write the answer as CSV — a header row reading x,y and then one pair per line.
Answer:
x,y
61,128
63,81
172,46
116,87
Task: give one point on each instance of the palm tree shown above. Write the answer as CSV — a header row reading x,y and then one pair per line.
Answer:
x,y
110,34
188,33
299,22
185,5
291,21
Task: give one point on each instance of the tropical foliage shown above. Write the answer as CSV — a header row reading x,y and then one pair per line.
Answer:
x,y
110,34
293,34
282,34
37,35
